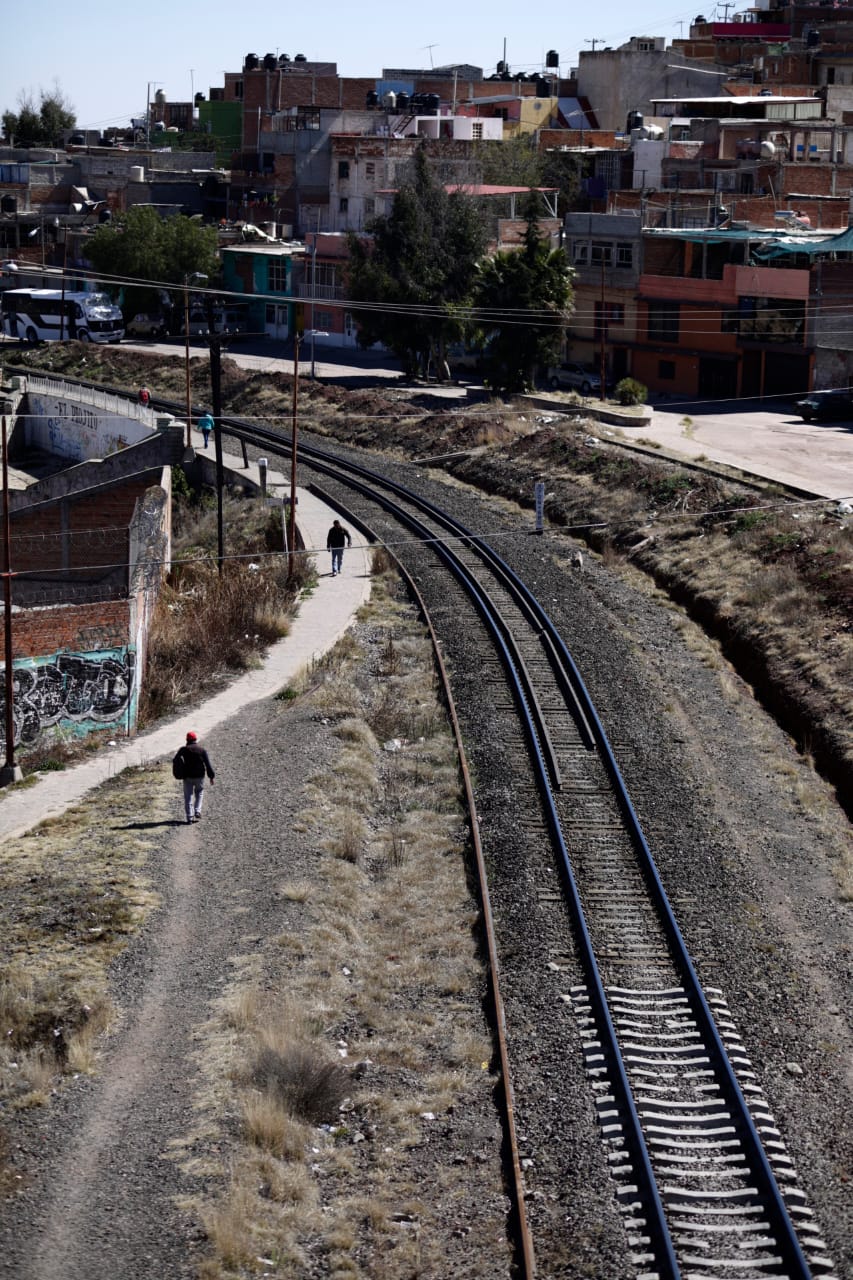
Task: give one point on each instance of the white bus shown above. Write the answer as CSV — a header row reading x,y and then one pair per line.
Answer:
x,y
35,315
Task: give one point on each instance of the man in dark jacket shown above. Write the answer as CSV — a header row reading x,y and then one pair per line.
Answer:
x,y
192,764
336,539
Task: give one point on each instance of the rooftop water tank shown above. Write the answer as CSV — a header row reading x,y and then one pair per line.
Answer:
x,y
432,103
552,58
372,99
160,98
634,121
403,101
270,62
389,100
300,57
250,62
137,173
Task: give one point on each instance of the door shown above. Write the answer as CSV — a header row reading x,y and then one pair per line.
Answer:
x,y
276,320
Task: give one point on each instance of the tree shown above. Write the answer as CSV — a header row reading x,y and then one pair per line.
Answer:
x,y
41,126
523,300
143,246
417,271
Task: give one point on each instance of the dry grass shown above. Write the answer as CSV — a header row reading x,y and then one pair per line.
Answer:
x,y
380,971
72,891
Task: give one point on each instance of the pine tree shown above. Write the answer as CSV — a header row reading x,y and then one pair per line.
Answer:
x,y
522,304
417,272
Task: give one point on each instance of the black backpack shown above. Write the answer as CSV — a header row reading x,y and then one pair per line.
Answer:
x,y
179,765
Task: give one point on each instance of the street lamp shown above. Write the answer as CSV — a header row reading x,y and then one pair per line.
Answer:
x,y
188,280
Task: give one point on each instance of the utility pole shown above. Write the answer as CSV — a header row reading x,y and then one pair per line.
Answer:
x,y
291,536
10,771
215,344
602,354
594,42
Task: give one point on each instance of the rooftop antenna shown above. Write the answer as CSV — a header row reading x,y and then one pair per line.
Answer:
x,y
430,47
594,42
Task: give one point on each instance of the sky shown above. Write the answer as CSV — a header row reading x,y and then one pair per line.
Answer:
x,y
104,61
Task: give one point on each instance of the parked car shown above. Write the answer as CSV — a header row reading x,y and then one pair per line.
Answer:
x,y
574,377
826,406
145,326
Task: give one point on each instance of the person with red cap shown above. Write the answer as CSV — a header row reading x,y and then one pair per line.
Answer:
x,y
192,764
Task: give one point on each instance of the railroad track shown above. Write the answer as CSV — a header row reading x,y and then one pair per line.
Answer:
x,y
702,1178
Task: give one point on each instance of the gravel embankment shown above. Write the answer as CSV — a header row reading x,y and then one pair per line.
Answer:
x,y
745,836
747,839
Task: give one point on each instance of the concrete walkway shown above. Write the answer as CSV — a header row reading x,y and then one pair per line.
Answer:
x,y
323,617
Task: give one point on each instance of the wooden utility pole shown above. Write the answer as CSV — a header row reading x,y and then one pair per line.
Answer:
x,y
291,535
215,345
602,353
10,771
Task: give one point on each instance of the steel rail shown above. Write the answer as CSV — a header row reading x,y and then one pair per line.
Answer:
x,y
660,1238
780,1220
528,1259
793,1258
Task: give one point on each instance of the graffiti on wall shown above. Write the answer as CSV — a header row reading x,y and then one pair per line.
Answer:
x,y
75,691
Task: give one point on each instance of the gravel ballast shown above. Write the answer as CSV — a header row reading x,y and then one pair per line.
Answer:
x,y
746,837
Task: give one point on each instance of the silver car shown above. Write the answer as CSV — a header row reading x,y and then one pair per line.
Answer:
x,y
574,377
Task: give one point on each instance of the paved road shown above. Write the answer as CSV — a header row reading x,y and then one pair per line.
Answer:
x,y
769,442
773,443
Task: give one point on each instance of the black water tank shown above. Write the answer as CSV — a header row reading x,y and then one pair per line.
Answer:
x,y
372,99
198,99
812,38
300,57
9,204
432,102
500,68
284,60
403,101
552,58
635,120
250,62
543,87
270,62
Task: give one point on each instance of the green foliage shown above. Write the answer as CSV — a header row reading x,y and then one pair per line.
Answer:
x,y
417,272
42,125
630,391
523,300
517,162
143,246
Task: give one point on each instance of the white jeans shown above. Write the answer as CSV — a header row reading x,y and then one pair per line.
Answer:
x,y
193,797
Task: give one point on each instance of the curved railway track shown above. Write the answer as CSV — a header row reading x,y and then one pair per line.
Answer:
x,y
700,1169
701,1175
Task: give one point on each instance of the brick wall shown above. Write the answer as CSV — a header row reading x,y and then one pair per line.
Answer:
x,y
77,628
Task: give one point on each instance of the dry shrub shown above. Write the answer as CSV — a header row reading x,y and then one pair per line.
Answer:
x,y
381,561
229,1228
301,1079
269,1124
209,623
349,845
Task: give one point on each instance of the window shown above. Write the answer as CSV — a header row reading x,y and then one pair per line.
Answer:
x,y
344,204
369,206
343,168
602,253
580,252
477,131
613,313
666,370
663,321
370,169
238,89
277,276
624,255
323,320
